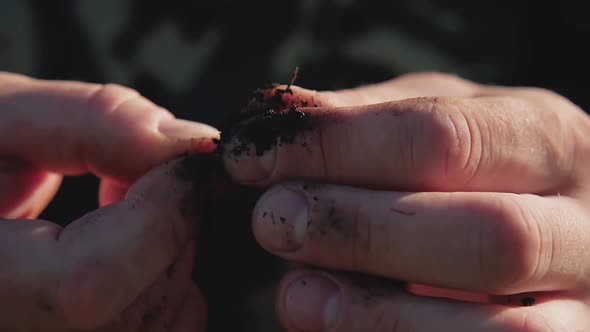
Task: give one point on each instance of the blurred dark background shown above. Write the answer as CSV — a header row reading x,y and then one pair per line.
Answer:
x,y
201,59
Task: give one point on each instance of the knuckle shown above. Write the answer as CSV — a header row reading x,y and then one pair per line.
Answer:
x,y
454,143
109,97
510,245
435,128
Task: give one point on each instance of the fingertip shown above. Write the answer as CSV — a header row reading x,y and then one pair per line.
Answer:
x,y
310,300
246,166
281,220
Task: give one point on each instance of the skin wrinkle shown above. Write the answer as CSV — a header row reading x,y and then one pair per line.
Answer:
x,y
542,265
434,107
474,148
525,272
554,245
492,246
484,151
106,100
448,153
101,100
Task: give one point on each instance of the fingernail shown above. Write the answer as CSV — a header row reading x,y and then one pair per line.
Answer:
x,y
247,162
281,218
313,303
184,129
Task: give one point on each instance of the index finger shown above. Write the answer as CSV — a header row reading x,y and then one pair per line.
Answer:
x,y
479,143
115,253
110,130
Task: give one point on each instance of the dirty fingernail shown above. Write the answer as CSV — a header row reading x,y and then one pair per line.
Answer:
x,y
247,164
313,303
280,220
184,129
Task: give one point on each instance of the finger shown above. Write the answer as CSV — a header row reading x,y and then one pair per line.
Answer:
x,y
71,128
435,144
192,316
316,301
115,253
24,190
110,192
489,242
155,309
282,97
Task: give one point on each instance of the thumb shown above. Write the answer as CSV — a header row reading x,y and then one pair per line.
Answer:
x,y
115,253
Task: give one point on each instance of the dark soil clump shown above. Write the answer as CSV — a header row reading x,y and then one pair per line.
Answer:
x,y
271,117
264,130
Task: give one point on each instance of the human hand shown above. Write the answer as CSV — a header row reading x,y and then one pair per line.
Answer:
x,y
123,267
432,180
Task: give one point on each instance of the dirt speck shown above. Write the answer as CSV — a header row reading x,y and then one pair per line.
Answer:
x,y
527,301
